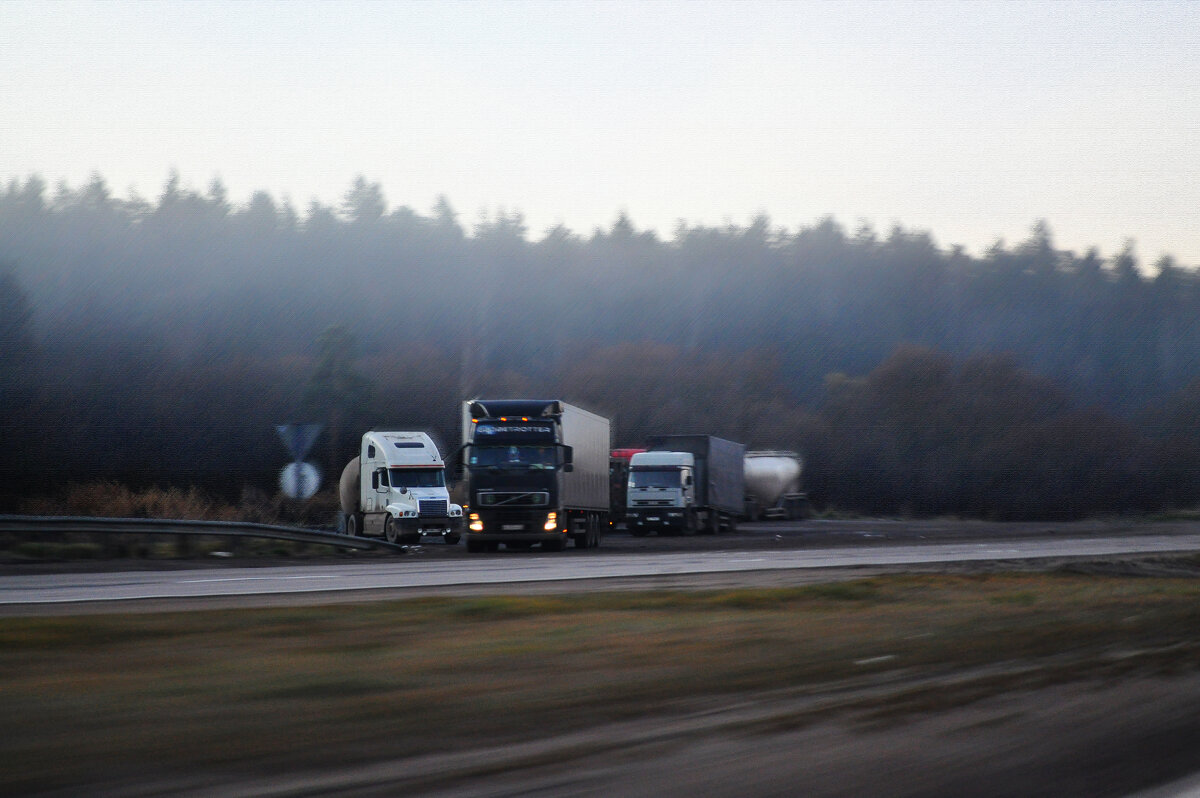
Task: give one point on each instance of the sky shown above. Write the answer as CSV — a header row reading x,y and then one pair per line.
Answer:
x,y
970,120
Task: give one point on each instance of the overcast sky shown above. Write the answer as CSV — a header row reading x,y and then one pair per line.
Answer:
x,y
970,120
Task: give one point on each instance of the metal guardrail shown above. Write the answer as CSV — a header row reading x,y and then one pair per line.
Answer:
x,y
157,526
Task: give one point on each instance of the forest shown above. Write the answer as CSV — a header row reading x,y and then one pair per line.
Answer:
x,y
160,342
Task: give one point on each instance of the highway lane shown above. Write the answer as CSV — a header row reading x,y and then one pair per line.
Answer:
x,y
515,568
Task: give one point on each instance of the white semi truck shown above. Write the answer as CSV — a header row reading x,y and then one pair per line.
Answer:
x,y
396,489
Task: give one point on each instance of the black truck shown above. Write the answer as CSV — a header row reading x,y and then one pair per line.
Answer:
x,y
536,472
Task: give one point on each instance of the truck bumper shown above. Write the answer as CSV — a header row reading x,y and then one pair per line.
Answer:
x,y
523,527
440,526
658,518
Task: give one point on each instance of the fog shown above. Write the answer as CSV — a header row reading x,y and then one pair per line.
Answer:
x,y
160,341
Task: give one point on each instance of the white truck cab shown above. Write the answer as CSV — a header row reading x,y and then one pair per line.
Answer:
x,y
396,488
662,492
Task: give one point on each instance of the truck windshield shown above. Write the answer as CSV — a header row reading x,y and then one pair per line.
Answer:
x,y
417,477
659,478
538,458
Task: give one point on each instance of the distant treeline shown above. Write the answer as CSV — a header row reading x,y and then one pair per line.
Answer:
x,y
159,343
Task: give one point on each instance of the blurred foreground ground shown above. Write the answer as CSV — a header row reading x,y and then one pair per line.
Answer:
x,y
1030,678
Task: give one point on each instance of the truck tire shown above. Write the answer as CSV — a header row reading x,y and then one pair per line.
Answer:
x,y
690,523
451,540
712,523
353,525
390,533
475,546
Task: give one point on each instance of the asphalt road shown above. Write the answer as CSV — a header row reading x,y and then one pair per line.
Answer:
x,y
790,548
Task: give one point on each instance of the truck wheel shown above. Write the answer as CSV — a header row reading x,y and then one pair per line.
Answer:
x,y
451,540
475,546
712,523
389,529
690,524
731,528
353,525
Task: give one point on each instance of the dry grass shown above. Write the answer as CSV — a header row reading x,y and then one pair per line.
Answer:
x,y
90,700
113,500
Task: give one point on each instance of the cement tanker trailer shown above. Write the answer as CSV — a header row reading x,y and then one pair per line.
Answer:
x,y
773,486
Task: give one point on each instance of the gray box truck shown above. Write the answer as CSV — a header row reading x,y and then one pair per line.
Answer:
x,y
686,483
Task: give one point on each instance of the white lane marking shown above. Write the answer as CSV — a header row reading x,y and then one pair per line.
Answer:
x,y
257,578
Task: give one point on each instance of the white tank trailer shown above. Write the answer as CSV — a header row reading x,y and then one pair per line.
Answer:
x,y
773,485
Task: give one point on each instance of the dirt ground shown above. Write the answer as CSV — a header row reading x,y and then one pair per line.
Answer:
x,y
1093,738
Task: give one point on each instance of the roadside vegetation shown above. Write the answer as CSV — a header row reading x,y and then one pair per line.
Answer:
x,y
100,700
112,500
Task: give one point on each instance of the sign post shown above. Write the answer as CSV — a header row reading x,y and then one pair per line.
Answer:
x,y
299,479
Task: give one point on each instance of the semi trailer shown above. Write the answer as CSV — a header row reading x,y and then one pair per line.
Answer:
x,y
773,485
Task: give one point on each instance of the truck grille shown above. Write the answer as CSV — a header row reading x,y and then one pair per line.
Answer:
x,y
433,507
513,499
651,502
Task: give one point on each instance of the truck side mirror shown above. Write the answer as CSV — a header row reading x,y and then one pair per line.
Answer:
x,y
568,456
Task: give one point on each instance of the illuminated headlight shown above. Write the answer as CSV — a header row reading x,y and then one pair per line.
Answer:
x,y
476,525
551,522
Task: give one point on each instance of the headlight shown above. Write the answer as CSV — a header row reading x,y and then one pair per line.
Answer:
x,y
551,522
476,525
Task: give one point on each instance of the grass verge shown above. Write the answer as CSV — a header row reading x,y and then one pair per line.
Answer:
x,y
101,699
